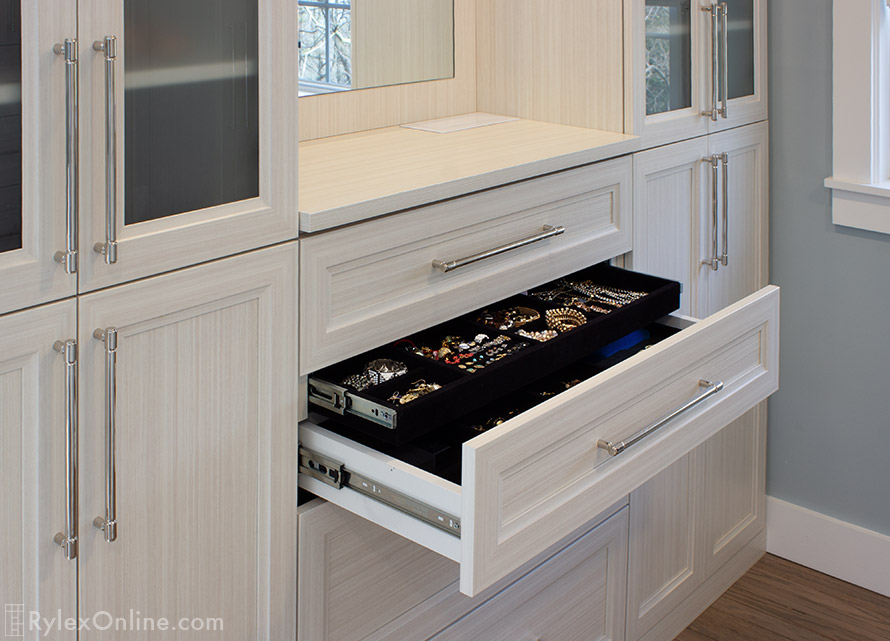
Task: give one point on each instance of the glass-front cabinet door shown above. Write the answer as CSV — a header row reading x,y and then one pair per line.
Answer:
x,y
38,223
699,66
191,132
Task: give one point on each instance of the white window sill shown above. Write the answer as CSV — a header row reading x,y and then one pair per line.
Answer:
x,y
860,205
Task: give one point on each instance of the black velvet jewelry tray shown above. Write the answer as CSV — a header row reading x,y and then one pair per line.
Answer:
x,y
375,411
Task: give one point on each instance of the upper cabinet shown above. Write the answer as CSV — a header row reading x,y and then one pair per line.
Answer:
x,y
38,226
188,135
697,67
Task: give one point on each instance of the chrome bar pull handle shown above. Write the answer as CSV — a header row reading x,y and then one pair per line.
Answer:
x,y
614,449
68,539
714,11
72,143
108,524
724,258
108,46
451,265
724,62
714,261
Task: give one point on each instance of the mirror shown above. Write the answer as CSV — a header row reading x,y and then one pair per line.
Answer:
x,y
358,44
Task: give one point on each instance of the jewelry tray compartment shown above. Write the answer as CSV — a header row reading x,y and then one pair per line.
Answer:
x,y
377,411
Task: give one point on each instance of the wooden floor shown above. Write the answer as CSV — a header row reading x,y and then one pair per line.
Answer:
x,y
781,601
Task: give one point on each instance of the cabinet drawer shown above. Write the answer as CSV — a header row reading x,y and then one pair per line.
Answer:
x,y
538,476
372,283
579,595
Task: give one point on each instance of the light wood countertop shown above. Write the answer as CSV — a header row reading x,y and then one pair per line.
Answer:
x,y
347,179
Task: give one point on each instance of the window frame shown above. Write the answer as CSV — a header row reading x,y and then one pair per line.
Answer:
x,y
860,183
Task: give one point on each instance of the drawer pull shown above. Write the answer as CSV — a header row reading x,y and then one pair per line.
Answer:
x,y
710,390
450,266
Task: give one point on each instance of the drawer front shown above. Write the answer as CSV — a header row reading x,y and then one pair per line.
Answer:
x,y
579,595
375,282
537,476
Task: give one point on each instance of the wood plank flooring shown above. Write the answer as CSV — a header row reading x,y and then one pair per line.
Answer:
x,y
781,601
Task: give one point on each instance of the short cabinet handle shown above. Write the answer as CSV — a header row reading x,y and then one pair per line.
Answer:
x,y
68,539
615,449
108,46
68,49
451,265
108,524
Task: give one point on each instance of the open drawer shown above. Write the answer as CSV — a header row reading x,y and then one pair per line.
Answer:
x,y
537,477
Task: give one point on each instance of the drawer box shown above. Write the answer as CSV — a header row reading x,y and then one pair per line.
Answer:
x,y
373,283
528,482
376,411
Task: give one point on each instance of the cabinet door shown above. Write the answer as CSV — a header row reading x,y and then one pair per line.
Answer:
x,y
35,573
743,217
734,487
664,565
671,193
34,213
189,132
670,83
745,41
189,448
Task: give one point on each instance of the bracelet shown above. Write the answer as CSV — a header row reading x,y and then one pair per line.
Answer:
x,y
384,369
564,319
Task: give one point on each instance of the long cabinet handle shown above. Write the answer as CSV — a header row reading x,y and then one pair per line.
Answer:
x,y
108,524
724,160
72,134
724,63
451,265
714,12
108,46
714,261
68,539
615,449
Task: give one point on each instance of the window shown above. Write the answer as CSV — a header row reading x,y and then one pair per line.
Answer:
x,y
861,181
325,45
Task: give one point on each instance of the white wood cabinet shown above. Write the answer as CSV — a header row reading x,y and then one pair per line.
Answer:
x,y
698,202
189,446
37,231
692,520
692,68
35,573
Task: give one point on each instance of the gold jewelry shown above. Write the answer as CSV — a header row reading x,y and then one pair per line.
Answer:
x,y
564,319
542,337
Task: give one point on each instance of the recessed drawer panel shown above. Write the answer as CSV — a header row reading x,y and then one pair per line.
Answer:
x,y
540,475
372,283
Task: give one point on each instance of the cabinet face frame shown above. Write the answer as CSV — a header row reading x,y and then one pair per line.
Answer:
x,y
31,275
188,238
257,291
34,373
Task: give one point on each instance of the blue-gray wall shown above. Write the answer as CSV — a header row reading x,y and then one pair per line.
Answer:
x,y
829,445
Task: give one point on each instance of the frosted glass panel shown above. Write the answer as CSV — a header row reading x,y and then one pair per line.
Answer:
x,y
191,105
741,48
10,125
668,56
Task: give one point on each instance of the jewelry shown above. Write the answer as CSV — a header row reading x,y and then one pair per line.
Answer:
x,y
417,389
612,296
587,305
508,318
384,369
358,382
564,319
542,337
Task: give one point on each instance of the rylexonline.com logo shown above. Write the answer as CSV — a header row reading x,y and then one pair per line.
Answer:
x,y
19,622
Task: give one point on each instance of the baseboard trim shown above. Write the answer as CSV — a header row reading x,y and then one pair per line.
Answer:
x,y
837,548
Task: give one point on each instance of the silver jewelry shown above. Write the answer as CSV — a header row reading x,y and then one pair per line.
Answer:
x,y
384,369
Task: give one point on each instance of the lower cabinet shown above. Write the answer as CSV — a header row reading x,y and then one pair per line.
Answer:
x,y
692,519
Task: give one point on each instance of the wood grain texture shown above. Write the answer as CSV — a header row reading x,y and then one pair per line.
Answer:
x,y
368,284
399,41
519,496
577,595
193,237
30,276
205,448
397,168
780,601
346,112
34,572
556,62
